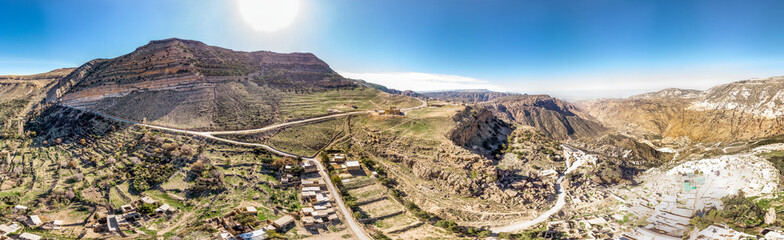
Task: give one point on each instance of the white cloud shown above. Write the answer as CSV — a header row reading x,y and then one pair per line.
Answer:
x,y
421,81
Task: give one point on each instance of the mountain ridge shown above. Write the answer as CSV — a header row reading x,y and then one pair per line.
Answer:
x,y
191,85
734,111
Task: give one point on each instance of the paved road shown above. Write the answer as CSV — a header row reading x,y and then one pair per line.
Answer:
x,y
347,213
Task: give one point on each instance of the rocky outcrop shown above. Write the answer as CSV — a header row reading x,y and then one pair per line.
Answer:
x,y
478,130
623,147
555,118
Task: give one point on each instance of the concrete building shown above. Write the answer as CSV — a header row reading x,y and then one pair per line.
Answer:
x,y
283,222
34,221
29,236
352,165
112,223
773,235
338,158
148,200
309,167
126,208
251,210
254,235
8,229
165,208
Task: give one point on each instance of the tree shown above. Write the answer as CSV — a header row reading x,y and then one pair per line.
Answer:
x,y
742,211
248,220
147,208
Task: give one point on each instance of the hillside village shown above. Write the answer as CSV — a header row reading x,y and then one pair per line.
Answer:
x,y
343,159
318,211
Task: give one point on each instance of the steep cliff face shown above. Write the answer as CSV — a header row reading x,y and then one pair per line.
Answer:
x,y
735,111
555,118
478,130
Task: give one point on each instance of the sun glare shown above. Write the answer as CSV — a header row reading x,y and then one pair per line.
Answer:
x,y
268,15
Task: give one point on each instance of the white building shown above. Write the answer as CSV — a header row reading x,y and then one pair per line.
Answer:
x,y
29,236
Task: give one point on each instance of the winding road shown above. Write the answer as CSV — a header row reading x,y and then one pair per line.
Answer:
x,y
347,213
559,204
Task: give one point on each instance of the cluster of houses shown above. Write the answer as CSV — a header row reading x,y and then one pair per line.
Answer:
x,y
319,211
235,230
391,111
31,221
340,161
6,229
129,215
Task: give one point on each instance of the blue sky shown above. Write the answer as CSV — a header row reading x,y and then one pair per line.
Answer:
x,y
572,49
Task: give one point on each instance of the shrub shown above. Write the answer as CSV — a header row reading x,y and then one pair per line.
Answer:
x,y
147,208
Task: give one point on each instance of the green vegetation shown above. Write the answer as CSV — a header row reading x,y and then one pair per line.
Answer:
x,y
247,220
308,105
147,208
776,158
209,180
81,162
525,235
738,212
150,174
307,139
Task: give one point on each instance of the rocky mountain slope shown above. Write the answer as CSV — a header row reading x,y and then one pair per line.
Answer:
x,y
188,84
736,111
553,117
20,93
467,96
27,86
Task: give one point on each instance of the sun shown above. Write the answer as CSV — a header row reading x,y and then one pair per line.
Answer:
x,y
268,15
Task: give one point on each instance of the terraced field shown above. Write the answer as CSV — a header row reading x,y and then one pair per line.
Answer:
x,y
302,106
81,165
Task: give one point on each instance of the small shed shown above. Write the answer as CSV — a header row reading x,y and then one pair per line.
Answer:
x,y
126,208
254,235
35,220
352,165
29,236
148,200
165,208
283,222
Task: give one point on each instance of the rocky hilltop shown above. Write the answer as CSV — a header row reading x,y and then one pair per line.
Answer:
x,y
553,117
189,84
736,111
22,86
670,93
